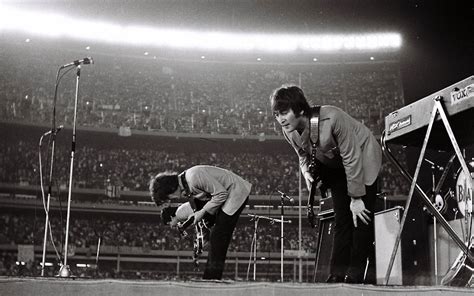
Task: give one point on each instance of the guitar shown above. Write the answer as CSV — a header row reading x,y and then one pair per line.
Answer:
x,y
309,208
312,192
201,234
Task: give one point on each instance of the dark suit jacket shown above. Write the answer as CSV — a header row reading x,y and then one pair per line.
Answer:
x,y
343,142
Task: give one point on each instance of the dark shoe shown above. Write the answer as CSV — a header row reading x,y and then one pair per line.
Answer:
x,y
333,278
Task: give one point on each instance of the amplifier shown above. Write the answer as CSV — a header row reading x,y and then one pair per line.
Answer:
x,y
324,242
412,261
387,224
326,206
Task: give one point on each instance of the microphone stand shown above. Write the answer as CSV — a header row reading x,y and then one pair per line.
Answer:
x,y
65,271
253,248
54,131
98,251
282,221
282,205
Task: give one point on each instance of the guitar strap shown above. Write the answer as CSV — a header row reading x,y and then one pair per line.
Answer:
x,y
206,222
314,139
314,134
187,192
196,203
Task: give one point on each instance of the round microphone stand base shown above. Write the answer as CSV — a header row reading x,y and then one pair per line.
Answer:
x,y
64,271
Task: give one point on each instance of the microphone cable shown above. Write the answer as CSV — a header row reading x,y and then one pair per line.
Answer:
x,y
46,210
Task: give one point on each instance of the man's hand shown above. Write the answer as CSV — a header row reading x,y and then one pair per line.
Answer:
x,y
358,210
174,222
309,179
307,176
199,215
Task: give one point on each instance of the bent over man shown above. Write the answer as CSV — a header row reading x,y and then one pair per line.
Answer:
x,y
226,195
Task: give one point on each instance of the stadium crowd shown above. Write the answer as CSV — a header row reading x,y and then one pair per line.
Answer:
x,y
153,235
178,97
189,97
132,168
21,229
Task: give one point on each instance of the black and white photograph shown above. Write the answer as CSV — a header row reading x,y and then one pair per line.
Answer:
x,y
239,147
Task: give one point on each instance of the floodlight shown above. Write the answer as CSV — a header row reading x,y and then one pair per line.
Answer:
x,y
54,25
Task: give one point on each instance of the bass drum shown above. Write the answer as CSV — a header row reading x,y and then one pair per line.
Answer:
x,y
463,190
454,200
461,272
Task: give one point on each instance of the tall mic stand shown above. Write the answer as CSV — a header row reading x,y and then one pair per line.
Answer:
x,y
65,271
253,248
98,251
54,131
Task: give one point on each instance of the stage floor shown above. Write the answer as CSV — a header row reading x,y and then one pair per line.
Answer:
x,y
67,286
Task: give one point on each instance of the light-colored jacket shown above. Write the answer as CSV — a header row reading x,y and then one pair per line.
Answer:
x,y
343,142
218,186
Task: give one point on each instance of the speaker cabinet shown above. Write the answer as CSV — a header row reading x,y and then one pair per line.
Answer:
x,y
387,225
324,245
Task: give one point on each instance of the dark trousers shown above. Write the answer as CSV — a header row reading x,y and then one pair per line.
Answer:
x,y
353,246
221,234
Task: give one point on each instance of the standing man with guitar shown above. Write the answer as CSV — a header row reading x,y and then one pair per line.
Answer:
x,y
343,154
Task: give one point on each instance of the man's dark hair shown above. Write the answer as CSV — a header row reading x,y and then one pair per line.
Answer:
x,y
162,185
289,97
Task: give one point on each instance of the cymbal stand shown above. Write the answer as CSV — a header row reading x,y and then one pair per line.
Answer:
x,y
435,232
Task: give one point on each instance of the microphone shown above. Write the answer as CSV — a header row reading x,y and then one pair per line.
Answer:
x,y
57,131
84,61
291,199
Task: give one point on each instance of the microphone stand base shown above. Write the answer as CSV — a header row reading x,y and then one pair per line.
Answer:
x,y
64,271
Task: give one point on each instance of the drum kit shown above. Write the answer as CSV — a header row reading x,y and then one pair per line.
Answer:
x,y
454,200
442,121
